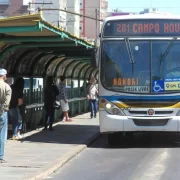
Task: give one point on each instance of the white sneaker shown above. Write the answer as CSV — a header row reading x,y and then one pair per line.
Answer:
x,y
15,138
64,119
19,136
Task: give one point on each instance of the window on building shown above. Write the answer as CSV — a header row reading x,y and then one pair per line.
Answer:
x,y
81,4
4,2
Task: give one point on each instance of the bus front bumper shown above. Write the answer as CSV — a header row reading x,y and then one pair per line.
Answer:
x,y
114,123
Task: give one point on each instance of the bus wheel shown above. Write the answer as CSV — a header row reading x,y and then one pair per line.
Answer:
x,y
114,138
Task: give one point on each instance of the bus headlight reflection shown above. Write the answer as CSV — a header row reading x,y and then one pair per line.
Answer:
x,y
108,105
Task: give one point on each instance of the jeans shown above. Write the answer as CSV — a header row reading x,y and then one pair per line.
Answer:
x,y
6,127
3,122
93,107
49,118
15,119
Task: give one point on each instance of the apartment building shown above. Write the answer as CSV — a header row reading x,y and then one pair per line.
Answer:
x,y
77,25
73,21
88,27
55,17
13,7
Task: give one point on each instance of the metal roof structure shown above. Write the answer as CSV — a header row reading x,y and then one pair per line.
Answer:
x,y
30,46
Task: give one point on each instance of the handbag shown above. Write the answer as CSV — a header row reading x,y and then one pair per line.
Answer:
x,y
57,105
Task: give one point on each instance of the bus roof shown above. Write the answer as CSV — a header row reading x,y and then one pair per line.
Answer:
x,y
143,16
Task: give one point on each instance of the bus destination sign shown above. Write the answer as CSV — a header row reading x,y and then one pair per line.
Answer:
x,y
146,27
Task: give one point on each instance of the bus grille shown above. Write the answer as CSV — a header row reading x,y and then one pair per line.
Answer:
x,y
145,112
145,104
150,122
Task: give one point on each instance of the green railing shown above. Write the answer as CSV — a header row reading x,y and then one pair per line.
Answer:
x,y
35,112
37,96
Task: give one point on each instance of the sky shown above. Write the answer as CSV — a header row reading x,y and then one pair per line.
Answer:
x,y
171,6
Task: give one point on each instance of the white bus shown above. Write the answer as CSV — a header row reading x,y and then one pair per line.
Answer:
x,y
139,74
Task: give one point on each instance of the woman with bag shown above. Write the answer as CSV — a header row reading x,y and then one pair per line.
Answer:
x,y
50,93
64,99
92,97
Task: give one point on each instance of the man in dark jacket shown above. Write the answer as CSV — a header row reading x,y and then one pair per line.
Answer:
x,y
50,93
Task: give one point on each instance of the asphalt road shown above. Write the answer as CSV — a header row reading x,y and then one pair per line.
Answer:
x,y
147,157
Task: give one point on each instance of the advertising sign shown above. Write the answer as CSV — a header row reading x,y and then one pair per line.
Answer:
x,y
172,84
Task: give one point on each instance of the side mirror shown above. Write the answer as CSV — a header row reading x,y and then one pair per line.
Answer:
x,y
95,57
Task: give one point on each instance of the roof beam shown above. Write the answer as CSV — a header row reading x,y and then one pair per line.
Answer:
x,y
32,39
49,45
78,58
66,35
19,29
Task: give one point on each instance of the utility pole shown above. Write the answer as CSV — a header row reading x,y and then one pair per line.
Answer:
x,y
70,12
30,4
96,15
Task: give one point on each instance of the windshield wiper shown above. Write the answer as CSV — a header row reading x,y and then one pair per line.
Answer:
x,y
163,56
130,53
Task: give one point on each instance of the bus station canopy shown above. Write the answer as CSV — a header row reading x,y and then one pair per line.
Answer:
x,y
30,46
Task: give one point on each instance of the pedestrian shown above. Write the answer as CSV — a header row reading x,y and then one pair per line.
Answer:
x,y
50,93
5,97
14,108
92,97
64,99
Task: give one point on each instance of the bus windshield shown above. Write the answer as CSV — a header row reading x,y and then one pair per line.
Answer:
x,y
141,66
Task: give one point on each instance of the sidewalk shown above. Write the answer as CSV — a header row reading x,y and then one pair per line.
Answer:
x,y
42,152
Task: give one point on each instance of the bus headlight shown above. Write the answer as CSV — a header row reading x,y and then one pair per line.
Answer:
x,y
108,106
113,109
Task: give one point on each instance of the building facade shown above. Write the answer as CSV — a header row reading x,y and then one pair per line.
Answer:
x,y
13,7
81,26
90,28
73,21
55,17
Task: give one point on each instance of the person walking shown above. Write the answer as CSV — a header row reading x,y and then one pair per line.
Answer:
x,y
5,97
63,99
50,93
92,97
15,105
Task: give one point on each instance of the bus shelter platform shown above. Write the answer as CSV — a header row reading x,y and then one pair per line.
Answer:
x,y
40,152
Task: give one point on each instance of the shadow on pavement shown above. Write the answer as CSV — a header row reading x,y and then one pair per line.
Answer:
x,y
141,140
64,134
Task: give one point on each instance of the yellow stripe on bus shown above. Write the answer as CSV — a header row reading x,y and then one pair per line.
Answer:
x,y
146,105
